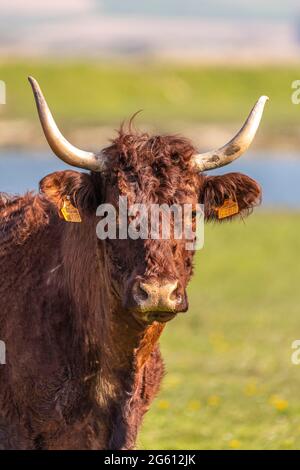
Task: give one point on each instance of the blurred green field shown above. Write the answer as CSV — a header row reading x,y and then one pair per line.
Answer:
x,y
230,382
90,93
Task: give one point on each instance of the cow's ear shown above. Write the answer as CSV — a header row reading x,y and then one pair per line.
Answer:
x,y
69,185
227,196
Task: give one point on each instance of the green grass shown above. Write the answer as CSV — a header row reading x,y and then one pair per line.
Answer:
x,y
107,93
230,381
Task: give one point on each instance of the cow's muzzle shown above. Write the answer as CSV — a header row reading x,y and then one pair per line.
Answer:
x,y
157,301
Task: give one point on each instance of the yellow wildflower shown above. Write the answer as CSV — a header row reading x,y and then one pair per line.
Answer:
x,y
280,404
234,444
213,400
163,405
251,389
194,405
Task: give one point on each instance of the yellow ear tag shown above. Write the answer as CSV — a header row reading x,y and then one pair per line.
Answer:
x,y
228,209
69,212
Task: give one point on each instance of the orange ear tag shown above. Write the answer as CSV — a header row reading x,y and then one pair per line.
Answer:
x,y
228,209
69,212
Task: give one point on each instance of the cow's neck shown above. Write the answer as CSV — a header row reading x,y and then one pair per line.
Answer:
x,y
122,383
129,350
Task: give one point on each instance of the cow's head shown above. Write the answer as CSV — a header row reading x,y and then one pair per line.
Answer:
x,y
149,276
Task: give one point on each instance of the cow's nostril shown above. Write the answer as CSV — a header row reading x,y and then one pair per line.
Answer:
x,y
174,294
140,295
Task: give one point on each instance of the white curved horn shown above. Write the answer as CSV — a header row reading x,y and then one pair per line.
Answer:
x,y
236,146
60,146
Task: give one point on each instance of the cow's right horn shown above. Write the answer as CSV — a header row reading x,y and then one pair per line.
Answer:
x,y
236,146
60,146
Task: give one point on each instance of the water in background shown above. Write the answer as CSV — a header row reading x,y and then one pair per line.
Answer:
x,y
279,176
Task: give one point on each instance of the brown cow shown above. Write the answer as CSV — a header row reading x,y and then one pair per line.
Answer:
x,y
81,317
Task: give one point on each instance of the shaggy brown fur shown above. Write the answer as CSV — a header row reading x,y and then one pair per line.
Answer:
x,y
81,370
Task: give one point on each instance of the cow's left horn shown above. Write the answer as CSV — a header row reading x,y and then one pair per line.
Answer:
x,y
60,146
236,146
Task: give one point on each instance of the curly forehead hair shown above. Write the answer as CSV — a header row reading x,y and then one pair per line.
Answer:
x,y
158,165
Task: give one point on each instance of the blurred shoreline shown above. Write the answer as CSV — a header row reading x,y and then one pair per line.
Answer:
x,y
26,135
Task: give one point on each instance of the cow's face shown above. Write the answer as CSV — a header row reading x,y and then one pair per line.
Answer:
x,y
149,277
151,274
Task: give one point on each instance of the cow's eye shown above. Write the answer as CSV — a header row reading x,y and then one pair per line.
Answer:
x,y
194,214
128,168
132,178
175,157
